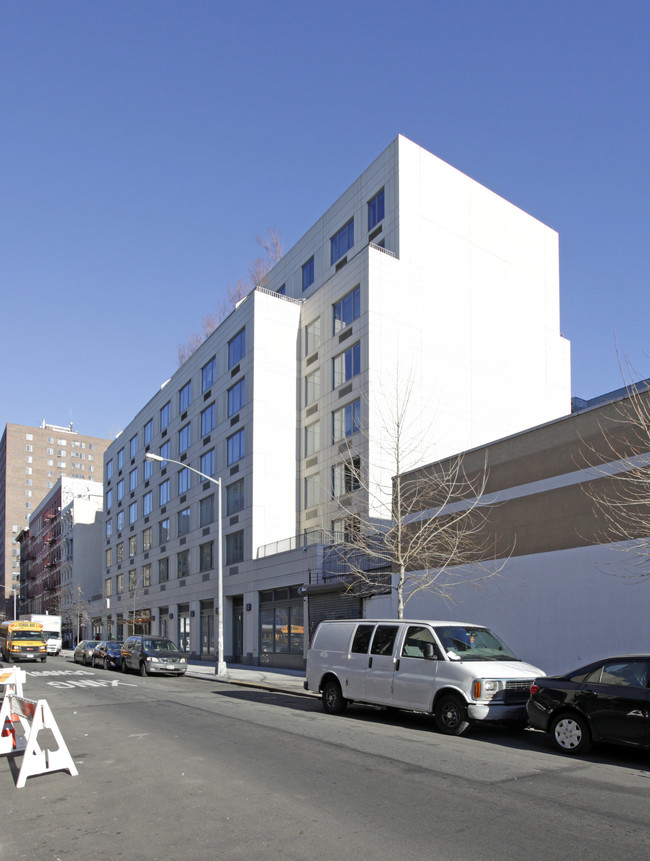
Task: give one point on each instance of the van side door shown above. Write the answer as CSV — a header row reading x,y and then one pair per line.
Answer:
x,y
381,665
358,660
415,675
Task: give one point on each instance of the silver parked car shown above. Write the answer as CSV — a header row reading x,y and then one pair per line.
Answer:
x,y
83,654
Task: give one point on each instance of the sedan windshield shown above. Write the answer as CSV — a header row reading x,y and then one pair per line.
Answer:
x,y
473,644
160,646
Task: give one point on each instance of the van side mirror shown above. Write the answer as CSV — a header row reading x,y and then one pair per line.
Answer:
x,y
429,651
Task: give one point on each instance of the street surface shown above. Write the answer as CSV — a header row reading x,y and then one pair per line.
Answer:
x,y
195,769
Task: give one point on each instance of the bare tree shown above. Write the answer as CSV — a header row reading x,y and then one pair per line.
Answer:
x,y
620,459
258,272
424,531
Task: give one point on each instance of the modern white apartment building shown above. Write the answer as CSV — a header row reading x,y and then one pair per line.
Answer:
x,y
417,277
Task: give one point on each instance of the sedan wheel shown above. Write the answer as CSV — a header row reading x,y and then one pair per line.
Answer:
x,y
570,734
105,663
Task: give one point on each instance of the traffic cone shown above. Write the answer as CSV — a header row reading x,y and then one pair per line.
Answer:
x,y
8,730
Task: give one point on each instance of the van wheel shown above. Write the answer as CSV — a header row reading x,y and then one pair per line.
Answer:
x,y
143,669
333,700
451,715
125,669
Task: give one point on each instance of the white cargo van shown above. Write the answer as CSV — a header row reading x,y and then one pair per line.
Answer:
x,y
457,671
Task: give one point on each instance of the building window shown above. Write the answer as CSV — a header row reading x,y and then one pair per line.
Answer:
x,y
312,490
346,477
207,420
208,374
235,547
346,365
207,462
133,479
109,528
109,557
148,432
235,497
120,552
163,531
236,397
183,524
163,493
342,241
166,452
183,481
146,539
163,570
376,209
146,575
346,421
109,469
312,336
346,529
308,273
133,446
205,556
165,415
206,511
147,504
133,513
108,587
235,447
148,469
281,622
347,309
237,348
133,546
312,438
119,584
312,387
185,396
120,459
120,490
184,438
120,521
282,290
183,563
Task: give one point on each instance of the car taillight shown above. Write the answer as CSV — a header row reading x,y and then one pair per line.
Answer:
x,y
534,688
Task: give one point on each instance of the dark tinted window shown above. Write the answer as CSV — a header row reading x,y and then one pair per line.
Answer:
x,y
362,637
384,640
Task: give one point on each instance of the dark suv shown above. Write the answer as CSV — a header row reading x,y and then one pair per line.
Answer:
x,y
148,654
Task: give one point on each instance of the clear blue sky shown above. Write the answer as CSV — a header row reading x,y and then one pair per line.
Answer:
x,y
146,143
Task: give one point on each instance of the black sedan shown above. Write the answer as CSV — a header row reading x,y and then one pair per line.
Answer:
x,y
608,700
107,655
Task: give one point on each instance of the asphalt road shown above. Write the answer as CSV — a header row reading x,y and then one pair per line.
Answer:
x,y
194,769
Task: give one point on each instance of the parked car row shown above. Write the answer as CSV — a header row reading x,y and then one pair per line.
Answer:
x,y
463,673
146,655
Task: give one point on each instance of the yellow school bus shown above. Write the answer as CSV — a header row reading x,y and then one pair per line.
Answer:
x,y
22,641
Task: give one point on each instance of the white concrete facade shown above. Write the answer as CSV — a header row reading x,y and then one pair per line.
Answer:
x,y
457,291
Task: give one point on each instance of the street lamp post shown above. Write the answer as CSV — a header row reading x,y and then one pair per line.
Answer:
x,y
221,666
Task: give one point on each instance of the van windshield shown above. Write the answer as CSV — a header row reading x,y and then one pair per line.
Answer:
x,y
473,644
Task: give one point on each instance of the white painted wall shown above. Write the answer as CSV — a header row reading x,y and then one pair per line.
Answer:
x,y
557,610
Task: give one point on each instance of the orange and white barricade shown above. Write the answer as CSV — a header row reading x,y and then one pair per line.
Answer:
x,y
33,716
13,679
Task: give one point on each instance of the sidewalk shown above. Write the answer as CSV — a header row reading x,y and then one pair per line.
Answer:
x,y
266,678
